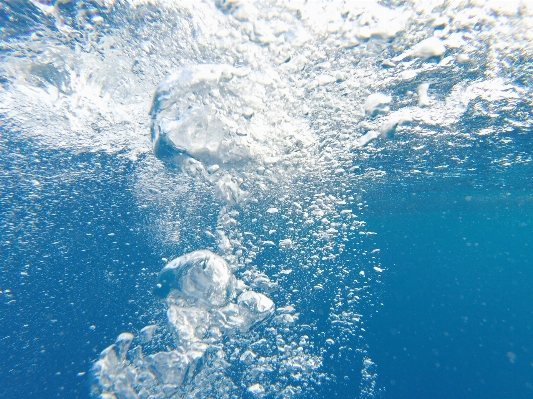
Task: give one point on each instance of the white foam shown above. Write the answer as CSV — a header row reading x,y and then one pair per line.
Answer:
x,y
377,103
423,99
426,49
398,118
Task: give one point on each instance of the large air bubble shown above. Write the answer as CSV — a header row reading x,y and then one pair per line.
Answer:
x,y
217,114
200,277
187,117
218,121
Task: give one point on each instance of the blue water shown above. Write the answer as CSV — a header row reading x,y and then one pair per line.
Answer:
x,y
450,317
82,285
457,320
456,317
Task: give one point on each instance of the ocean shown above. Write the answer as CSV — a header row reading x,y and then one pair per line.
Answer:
x,y
229,199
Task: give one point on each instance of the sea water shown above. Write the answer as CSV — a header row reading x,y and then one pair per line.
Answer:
x,y
266,199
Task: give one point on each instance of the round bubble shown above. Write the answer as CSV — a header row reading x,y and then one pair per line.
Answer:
x,y
200,277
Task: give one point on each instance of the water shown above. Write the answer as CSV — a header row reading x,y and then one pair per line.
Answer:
x,y
456,321
362,170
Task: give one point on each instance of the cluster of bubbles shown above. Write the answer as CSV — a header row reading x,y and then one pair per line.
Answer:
x,y
199,289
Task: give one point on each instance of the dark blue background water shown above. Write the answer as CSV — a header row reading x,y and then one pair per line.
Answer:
x,y
83,286
456,320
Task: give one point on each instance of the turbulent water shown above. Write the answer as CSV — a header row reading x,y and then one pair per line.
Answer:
x,y
197,179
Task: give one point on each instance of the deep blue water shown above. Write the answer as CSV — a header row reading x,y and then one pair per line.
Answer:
x,y
83,285
456,317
